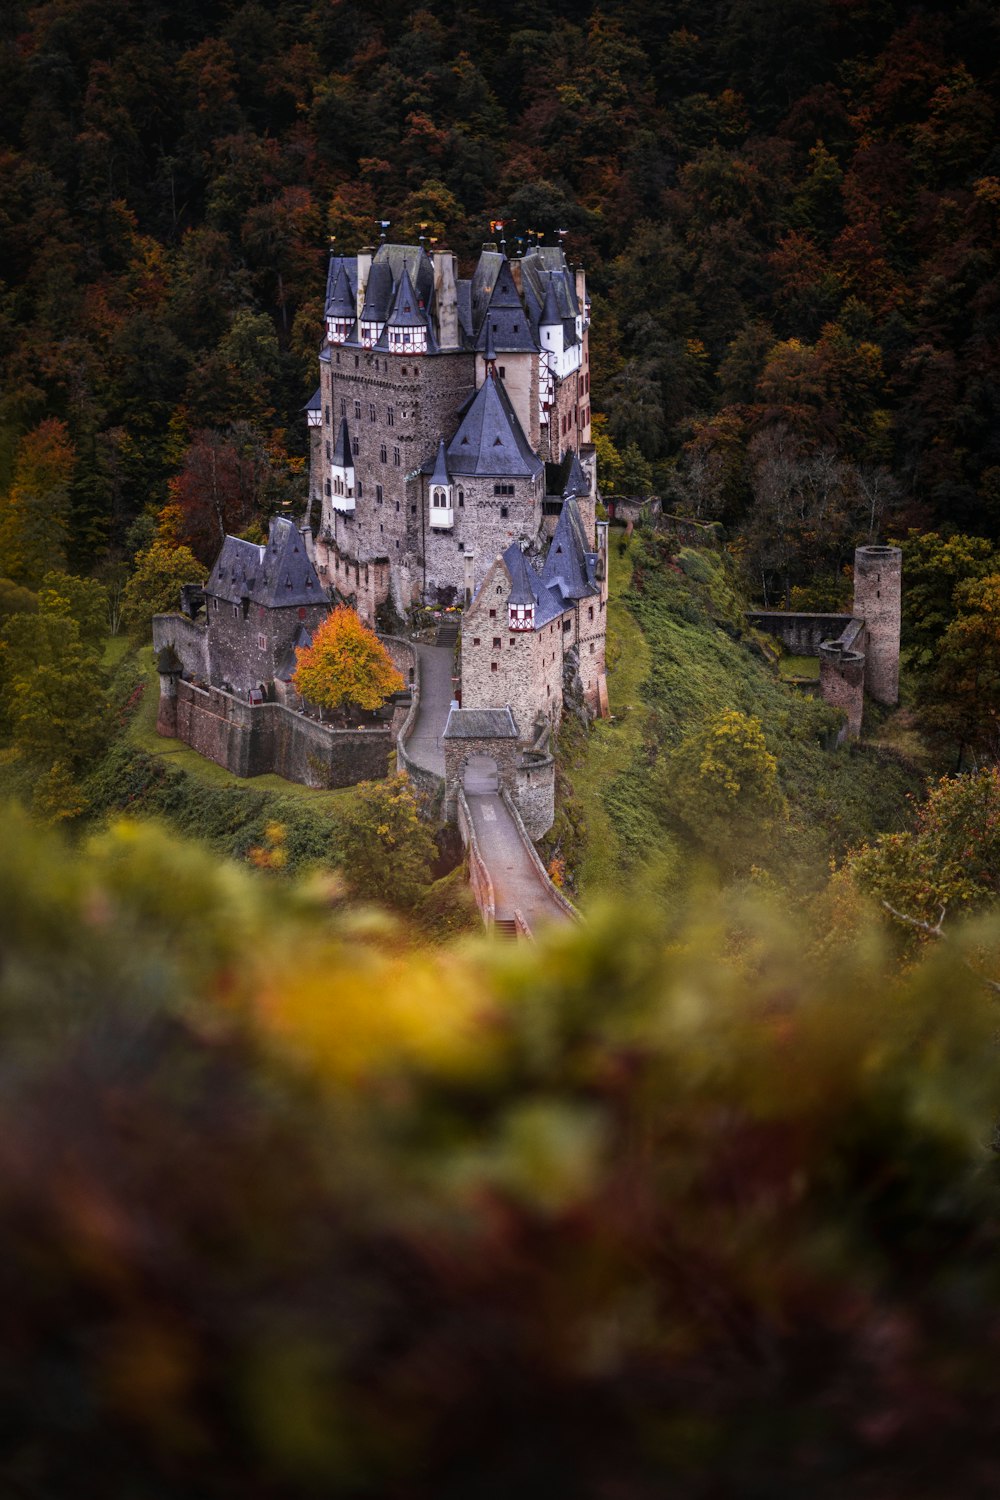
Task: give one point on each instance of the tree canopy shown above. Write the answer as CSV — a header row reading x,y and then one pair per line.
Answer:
x,y
346,664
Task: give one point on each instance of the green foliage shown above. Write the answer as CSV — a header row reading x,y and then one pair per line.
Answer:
x,y
934,567
53,690
15,599
80,599
959,699
34,514
698,665
733,1233
721,783
949,860
154,587
384,848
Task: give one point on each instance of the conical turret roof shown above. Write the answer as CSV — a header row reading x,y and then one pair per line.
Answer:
x,y
490,440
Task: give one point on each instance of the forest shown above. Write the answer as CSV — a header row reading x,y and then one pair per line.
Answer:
x,y
305,1188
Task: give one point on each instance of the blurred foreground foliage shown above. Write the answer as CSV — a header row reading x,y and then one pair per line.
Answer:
x,y
291,1209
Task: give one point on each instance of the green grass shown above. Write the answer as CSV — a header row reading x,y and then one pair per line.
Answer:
x,y
677,657
115,648
799,666
142,733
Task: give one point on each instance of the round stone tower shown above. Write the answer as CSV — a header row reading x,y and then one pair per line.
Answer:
x,y
878,573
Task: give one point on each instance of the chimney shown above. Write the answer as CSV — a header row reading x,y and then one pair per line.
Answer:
x,y
515,271
581,291
446,299
364,266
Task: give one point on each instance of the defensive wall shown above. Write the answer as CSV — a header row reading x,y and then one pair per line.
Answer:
x,y
858,652
250,739
479,875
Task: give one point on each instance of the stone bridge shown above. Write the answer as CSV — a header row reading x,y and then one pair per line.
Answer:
x,y
489,785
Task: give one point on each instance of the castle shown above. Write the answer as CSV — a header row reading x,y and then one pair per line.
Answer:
x,y
452,418
450,462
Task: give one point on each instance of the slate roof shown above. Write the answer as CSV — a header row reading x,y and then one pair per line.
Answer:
x,y
342,448
480,724
275,575
440,474
504,320
315,402
567,476
528,588
341,297
378,292
301,640
490,440
408,310
570,569
544,269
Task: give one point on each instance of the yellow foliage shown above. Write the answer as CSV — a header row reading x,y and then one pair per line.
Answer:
x,y
346,663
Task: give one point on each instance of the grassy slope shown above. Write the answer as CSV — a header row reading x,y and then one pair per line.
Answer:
x,y
671,668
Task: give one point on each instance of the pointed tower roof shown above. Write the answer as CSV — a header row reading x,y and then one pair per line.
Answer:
x,y
490,440
340,301
378,291
527,588
440,474
406,310
550,314
342,448
315,402
504,318
569,569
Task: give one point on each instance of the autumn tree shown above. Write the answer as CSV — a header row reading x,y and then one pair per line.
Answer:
x,y
960,697
384,847
53,690
950,859
934,567
346,664
721,785
34,515
81,599
154,587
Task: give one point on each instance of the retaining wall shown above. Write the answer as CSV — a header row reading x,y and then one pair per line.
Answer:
x,y
479,875
253,739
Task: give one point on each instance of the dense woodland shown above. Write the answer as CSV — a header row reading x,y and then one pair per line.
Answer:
x,y
300,1196
789,213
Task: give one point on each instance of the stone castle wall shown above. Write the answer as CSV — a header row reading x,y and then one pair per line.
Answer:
x,y
251,740
536,793
878,575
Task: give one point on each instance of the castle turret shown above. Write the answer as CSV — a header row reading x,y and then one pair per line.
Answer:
x,y
877,580
442,512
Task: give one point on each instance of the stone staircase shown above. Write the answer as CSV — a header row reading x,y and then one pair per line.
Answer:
x,y
447,634
505,928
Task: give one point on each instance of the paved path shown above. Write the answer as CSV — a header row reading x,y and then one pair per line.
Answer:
x,y
516,881
425,745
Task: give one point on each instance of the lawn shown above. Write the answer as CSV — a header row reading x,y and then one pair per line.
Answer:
x,y
142,733
614,742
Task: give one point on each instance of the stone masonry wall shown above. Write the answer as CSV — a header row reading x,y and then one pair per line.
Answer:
x,y
801,633
189,639
480,528
877,586
253,740
536,794
501,666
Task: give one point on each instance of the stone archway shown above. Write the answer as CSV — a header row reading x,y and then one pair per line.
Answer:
x,y
480,774
478,735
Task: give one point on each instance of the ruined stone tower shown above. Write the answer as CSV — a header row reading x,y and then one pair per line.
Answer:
x,y
878,575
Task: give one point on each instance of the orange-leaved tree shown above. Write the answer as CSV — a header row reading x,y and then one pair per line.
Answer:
x,y
346,663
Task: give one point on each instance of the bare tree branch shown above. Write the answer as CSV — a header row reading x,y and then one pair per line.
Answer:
x,y
937,931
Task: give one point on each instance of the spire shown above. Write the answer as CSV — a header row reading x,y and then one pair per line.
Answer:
x,y
407,311
341,301
342,451
551,316
490,353
440,475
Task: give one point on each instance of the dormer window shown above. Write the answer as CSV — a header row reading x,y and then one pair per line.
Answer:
x,y
521,616
338,329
